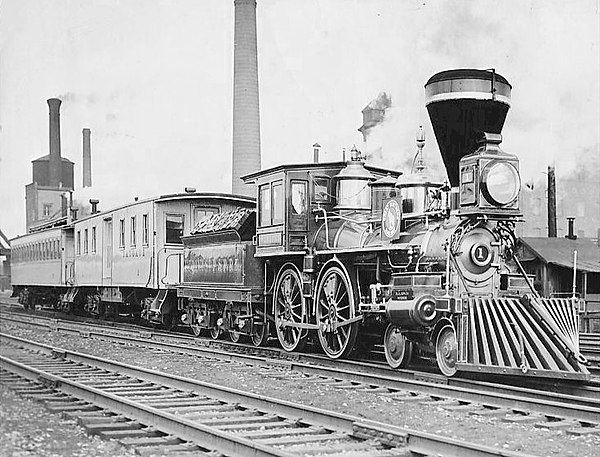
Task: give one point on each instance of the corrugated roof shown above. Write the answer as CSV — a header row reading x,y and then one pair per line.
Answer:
x,y
559,251
227,220
4,243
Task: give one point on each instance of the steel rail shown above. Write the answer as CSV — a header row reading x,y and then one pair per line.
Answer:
x,y
206,436
513,398
508,397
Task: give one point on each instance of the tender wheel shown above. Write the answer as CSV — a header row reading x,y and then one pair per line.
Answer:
x,y
235,336
196,329
289,307
446,351
335,306
260,334
398,350
215,333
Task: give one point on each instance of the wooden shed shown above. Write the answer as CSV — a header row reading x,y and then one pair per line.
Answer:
x,y
551,261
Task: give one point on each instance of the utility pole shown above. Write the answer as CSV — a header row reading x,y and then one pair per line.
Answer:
x,y
551,202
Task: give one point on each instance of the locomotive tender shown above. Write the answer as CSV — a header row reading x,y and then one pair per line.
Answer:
x,y
358,255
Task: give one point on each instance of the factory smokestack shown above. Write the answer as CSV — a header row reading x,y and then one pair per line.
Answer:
x,y
55,163
87,158
246,120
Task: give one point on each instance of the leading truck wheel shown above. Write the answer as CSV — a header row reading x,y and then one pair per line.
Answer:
x,y
446,351
398,350
289,307
234,336
334,307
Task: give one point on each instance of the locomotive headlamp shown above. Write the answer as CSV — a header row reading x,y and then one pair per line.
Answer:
x,y
500,183
489,180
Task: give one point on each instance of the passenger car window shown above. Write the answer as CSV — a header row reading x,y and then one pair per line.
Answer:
x,y
145,229
173,228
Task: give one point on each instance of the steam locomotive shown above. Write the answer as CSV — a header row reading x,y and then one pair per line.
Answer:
x,y
355,255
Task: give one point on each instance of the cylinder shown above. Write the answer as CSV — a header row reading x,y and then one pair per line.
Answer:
x,y
419,312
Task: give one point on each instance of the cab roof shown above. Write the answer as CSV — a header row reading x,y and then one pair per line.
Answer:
x,y
314,166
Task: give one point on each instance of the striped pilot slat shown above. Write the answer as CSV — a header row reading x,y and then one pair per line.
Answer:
x,y
509,333
539,344
565,314
508,348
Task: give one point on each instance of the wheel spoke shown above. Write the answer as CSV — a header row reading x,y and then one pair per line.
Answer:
x,y
341,308
339,339
339,299
323,304
344,330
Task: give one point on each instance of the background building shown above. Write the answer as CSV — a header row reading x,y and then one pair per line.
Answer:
x,y
4,262
47,197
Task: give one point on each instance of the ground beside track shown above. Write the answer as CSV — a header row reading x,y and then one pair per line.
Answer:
x,y
27,429
280,384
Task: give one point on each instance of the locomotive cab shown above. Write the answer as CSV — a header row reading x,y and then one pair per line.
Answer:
x,y
297,201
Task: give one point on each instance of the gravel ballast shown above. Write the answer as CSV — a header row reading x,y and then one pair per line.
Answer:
x,y
281,384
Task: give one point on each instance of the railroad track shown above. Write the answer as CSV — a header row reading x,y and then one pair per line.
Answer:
x,y
589,343
170,414
523,404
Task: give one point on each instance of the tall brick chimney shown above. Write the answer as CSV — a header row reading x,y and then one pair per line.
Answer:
x,y
55,163
87,158
246,119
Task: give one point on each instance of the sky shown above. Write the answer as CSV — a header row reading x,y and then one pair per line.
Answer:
x,y
153,81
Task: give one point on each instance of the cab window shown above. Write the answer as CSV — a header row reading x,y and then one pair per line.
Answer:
x,y
202,212
270,204
299,203
277,192
321,189
264,205
173,228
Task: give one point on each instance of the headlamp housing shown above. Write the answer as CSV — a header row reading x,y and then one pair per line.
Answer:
x,y
489,181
